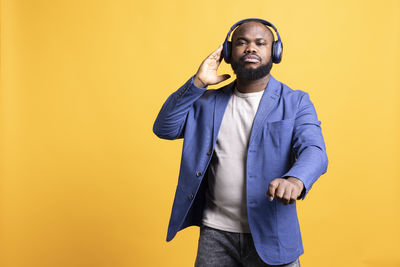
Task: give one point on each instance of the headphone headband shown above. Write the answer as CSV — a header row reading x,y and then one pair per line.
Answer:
x,y
252,19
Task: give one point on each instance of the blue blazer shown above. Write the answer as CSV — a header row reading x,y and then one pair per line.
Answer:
x,y
286,140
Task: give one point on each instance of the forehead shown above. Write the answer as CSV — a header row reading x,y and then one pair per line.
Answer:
x,y
252,29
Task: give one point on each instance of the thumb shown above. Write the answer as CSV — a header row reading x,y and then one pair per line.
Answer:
x,y
223,77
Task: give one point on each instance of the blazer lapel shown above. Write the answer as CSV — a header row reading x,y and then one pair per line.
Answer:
x,y
267,102
220,104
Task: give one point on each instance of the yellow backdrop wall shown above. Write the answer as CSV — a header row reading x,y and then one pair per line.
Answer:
x,y
85,182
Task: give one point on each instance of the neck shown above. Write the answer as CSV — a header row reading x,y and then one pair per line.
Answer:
x,y
247,86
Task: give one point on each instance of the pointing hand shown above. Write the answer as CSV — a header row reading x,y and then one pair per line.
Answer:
x,y
285,190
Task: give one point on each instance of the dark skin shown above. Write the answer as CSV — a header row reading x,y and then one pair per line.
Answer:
x,y
251,46
252,39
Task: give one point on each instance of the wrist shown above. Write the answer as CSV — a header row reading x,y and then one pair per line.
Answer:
x,y
297,181
198,82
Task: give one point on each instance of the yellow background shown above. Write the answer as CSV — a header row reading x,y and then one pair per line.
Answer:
x,y
85,182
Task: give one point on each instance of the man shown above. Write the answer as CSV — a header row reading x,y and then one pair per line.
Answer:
x,y
251,149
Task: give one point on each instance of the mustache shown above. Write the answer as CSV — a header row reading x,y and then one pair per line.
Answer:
x,y
250,56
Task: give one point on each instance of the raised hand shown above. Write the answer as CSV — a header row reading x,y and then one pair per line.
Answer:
x,y
207,72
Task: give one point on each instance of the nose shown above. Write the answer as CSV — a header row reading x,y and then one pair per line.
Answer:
x,y
250,48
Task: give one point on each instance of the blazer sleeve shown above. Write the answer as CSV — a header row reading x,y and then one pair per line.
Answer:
x,y
308,146
171,119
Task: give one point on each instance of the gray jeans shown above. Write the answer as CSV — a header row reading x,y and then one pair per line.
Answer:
x,y
221,248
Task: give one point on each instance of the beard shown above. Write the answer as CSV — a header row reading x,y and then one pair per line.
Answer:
x,y
251,74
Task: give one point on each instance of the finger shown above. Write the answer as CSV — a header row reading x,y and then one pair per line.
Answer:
x,y
221,57
217,55
286,195
280,191
298,192
291,196
271,189
223,77
221,54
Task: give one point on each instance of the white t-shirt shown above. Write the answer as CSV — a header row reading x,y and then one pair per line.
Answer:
x,y
226,207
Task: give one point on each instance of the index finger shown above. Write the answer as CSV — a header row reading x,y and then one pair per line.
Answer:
x,y
271,189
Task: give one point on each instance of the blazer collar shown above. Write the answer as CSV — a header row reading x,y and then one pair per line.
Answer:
x,y
268,100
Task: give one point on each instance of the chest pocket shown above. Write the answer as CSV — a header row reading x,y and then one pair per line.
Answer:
x,y
280,132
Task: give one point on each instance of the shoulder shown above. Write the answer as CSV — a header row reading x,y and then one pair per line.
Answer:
x,y
291,95
287,91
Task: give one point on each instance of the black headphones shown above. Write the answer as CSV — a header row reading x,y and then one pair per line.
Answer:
x,y
276,46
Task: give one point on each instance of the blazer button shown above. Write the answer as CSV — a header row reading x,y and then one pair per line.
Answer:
x,y
191,196
209,152
198,174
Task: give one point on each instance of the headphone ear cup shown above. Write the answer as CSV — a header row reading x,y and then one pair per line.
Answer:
x,y
227,51
277,52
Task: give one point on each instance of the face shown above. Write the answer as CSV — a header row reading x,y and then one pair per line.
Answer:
x,y
251,51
